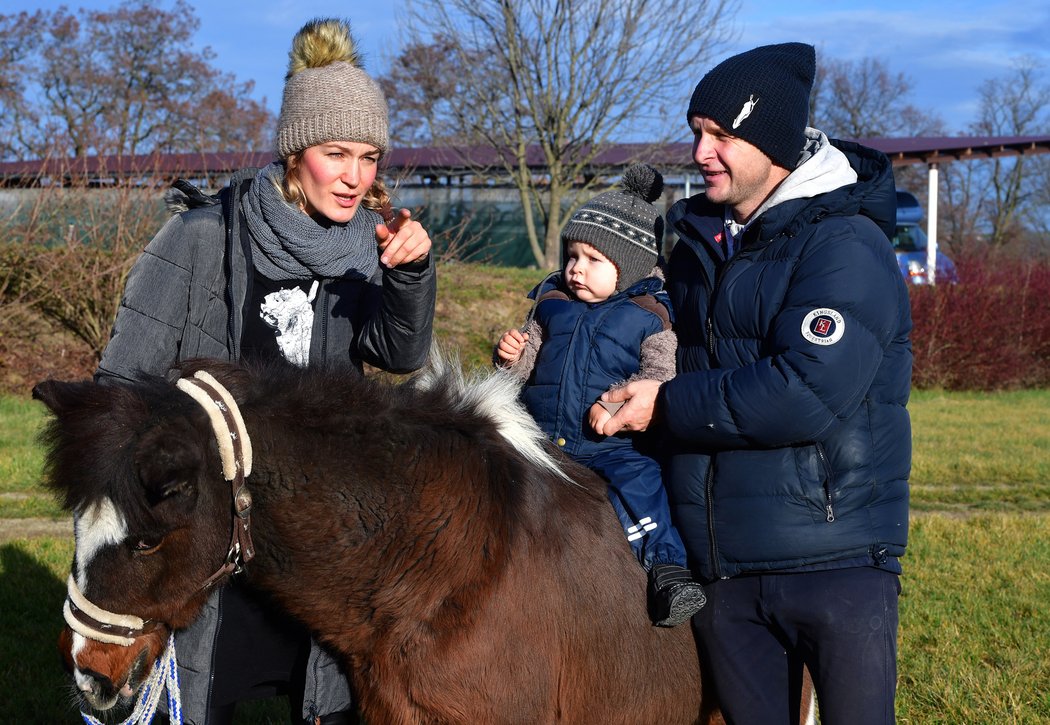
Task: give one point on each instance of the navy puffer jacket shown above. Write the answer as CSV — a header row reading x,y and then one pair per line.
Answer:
x,y
588,348
791,439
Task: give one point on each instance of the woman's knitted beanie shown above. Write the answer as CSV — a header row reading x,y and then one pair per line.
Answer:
x,y
623,224
327,94
761,96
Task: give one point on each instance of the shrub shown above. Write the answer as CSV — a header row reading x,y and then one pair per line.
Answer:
x,y
65,252
990,331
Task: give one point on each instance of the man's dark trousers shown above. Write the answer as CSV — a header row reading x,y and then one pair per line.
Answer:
x,y
757,631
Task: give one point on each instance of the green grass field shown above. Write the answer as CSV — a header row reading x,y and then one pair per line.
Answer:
x,y
975,625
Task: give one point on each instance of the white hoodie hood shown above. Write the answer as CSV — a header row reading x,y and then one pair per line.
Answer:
x,y
822,168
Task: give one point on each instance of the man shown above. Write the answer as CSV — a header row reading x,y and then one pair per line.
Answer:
x,y
789,439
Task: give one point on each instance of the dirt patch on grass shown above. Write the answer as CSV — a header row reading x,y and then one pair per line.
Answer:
x,y
11,529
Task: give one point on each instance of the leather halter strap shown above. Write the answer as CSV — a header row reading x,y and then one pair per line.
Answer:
x,y
235,450
96,623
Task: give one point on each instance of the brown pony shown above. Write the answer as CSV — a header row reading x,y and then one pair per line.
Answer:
x,y
462,570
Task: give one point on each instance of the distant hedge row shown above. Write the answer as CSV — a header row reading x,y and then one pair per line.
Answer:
x,y
990,331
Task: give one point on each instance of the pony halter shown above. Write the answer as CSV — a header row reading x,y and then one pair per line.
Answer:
x,y
235,451
96,623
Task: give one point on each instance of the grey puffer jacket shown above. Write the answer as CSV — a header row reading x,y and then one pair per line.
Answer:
x,y
185,298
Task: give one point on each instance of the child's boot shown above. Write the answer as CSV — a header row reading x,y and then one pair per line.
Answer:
x,y
673,595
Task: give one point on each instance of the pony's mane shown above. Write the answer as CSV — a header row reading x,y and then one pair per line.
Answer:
x,y
487,398
493,396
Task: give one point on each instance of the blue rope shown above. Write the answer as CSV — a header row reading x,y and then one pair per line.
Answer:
x,y
165,676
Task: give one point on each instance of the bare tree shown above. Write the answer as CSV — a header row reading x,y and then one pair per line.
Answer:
x,y
996,203
960,208
121,81
18,122
421,86
1041,204
567,77
864,99
1015,105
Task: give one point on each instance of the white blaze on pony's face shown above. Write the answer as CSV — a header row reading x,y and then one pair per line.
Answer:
x,y
97,526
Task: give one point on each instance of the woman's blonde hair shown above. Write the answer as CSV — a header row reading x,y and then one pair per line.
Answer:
x,y
377,198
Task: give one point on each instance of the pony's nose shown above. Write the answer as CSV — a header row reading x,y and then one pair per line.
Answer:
x,y
95,684
96,691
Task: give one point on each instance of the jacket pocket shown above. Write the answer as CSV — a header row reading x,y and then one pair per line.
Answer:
x,y
817,480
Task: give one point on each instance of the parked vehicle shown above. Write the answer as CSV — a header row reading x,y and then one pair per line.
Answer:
x,y
910,244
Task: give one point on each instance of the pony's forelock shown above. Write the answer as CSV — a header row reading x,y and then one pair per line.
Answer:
x,y
494,395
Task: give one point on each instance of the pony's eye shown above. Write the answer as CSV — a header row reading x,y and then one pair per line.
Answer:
x,y
144,545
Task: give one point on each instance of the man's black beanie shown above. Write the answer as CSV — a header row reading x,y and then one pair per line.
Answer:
x,y
761,96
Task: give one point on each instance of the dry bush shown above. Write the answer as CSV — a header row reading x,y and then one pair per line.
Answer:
x,y
66,251
989,332
33,349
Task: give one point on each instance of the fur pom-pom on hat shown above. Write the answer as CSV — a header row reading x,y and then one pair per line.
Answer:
x,y
327,94
643,181
623,224
322,42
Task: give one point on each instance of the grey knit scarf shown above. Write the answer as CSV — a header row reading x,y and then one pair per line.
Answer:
x,y
288,244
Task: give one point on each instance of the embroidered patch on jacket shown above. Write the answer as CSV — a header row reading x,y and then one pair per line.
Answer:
x,y
823,326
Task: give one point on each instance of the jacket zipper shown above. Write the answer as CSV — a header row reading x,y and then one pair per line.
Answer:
x,y
709,322
235,313
322,307
558,417
709,484
214,651
828,508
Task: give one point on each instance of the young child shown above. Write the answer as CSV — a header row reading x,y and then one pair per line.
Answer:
x,y
601,322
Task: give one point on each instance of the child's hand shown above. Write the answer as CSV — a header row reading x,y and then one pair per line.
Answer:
x,y
597,417
511,345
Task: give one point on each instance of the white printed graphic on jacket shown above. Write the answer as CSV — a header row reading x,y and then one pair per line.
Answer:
x,y
290,313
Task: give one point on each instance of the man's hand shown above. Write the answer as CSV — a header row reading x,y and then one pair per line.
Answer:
x,y
639,403
511,345
402,240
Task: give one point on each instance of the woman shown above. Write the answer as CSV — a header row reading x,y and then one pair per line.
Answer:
x,y
302,259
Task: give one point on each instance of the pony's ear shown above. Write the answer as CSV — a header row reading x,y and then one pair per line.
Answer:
x,y
169,461
59,396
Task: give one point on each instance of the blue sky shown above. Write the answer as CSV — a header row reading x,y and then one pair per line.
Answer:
x,y
946,47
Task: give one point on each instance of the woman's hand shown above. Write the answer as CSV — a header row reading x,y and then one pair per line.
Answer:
x,y
402,240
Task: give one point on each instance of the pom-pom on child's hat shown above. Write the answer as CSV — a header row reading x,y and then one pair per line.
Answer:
x,y
623,224
327,94
761,96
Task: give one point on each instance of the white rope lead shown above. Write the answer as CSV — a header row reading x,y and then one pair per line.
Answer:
x,y
165,676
